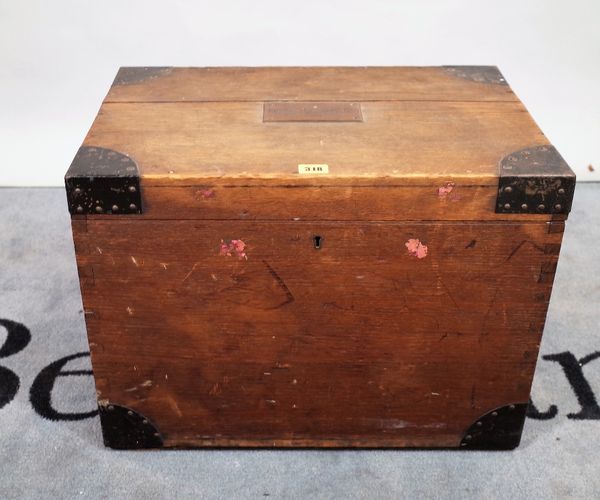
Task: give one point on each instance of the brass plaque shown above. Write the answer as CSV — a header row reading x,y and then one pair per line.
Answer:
x,y
294,111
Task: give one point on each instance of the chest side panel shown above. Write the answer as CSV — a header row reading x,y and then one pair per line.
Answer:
x,y
245,333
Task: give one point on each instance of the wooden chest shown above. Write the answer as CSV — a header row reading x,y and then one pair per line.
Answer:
x,y
323,257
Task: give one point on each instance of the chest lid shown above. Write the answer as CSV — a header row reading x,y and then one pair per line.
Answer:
x,y
330,143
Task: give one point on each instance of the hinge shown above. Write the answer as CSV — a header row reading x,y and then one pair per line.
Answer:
x,y
535,180
103,181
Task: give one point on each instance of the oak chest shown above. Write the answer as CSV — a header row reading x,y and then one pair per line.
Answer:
x,y
324,257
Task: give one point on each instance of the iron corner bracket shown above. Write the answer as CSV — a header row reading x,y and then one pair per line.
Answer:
x,y
535,180
103,181
499,429
125,429
479,74
135,75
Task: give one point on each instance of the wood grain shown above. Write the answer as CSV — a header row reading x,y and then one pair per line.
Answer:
x,y
312,203
398,142
354,344
306,83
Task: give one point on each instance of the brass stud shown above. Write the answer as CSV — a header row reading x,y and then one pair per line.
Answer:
x,y
115,208
132,189
145,421
111,407
77,191
507,206
79,209
130,413
479,424
99,209
561,191
133,207
508,189
524,206
541,207
494,414
558,207
511,407
468,437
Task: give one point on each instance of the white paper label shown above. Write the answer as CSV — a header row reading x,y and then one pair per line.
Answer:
x,y
313,168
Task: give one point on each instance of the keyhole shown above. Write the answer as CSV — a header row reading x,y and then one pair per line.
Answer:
x,y
318,241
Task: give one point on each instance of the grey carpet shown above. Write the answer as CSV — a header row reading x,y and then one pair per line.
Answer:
x,y
45,458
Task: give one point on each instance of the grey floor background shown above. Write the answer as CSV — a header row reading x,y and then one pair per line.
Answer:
x,y
41,458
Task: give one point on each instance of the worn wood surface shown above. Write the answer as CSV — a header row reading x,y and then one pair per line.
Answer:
x,y
404,143
353,344
304,83
448,200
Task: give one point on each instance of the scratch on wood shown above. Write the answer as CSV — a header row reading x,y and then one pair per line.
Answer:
x,y
335,305
449,294
473,396
173,404
215,390
518,247
281,283
191,271
483,333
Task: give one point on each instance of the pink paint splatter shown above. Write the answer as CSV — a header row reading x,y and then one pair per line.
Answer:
x,y
206,193
416,248
446,189
236,247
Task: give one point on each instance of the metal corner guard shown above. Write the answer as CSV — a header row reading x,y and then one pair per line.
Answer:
x,y
125,429
535,180
103,181
140,74
480,74
499,429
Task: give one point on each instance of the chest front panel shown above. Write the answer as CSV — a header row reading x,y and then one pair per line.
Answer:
x,y
278,342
